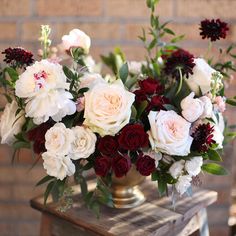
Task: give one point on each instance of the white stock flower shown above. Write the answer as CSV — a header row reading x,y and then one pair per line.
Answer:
x,y
192,108
183,183
10,124
176,169
170,133
58,165
58,139
84,143
200,80
193,166
107,108
75,39
88,80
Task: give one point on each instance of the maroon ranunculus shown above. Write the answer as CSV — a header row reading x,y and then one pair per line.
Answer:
x,y
121,165
157,103
102,165
150,86
37,136
145,165
108,145
133,137
140,96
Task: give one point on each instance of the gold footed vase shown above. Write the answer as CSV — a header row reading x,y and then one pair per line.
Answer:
x,y
125,190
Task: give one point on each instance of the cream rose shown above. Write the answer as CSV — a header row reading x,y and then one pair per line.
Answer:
x,y
200,80
84,143
59,139
170,133
193,166
89,80
75,39
10,124
57,165
107,108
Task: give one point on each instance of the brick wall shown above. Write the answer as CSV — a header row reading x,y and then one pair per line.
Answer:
x,y
109,23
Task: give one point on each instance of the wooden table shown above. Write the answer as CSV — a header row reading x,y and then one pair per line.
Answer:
x,y
154,217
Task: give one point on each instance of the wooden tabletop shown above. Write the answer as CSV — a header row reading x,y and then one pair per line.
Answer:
x,y
154,217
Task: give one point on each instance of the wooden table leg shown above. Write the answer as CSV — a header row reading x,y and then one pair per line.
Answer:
x,y
46,225
203,223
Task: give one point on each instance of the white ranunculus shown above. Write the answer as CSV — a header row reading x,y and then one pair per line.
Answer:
x,y
57,165
193,166
176,169
192,108
208,107
59,139
170,133
75,39
107,108
84,143
10,124
200,80
183,183
55,103
42,76
88,80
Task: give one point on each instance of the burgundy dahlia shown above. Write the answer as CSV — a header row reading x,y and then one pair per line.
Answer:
x,y
102,165
108,145
213,29
179,59
18,57
145,165
203,138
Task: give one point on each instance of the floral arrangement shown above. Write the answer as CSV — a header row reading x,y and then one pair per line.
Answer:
x,y
162,115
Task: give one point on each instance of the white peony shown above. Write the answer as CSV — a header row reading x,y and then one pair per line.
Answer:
x,y
183,183
108,108
200,80
208,107
170,133
10,124
84,143
58,165
75,39
193,166
58,139
89,80
176,169
192,108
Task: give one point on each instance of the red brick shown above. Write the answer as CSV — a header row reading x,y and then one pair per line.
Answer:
x,y
9,30
8,229
25,193
6,193
15,8
132,31
28,228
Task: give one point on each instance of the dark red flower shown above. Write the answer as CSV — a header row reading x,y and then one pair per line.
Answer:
x,y
107,145
145,165
151,86
121,165
102,165
133,137
203,138
179,59
18,57
140,96
157,103
213,29
37,136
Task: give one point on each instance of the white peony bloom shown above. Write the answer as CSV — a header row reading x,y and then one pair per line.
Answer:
x,y
170,133
208,107
57,165
10,124
192,108
59,139
200,80
42,76
183,183
92,66
84,143
75,39
176,169
107,108
193,166
89,80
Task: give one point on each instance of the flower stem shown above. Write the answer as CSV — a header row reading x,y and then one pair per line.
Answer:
x,y
180,81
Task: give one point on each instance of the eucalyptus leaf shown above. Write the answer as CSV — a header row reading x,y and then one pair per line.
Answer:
x,y
124,72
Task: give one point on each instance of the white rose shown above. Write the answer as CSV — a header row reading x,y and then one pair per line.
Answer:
x,y
192,108
89,80
10,124
200,80
170,133
84,143
176,169
208,107
193,166
58,139
75,39
183,183
107,108
57,165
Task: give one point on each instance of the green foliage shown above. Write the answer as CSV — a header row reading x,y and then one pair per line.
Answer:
x,y
215,169
124,72
141,108
213,155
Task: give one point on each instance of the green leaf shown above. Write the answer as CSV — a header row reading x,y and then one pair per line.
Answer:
x,y
162,186
124,72
170,107
155,176
231,102
95,207
133,112
45,179
48,190
141,108
131,82
152,44
168,31
68,73
214,155
8,97
83,90
20,144
177,39
13,74
214,169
